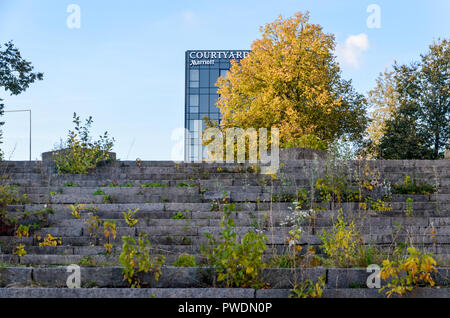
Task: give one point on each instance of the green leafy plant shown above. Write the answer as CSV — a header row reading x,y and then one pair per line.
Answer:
x,y
153,185
9,195
237,262
23,231
99,192
229,207
81,153
87,261
130,217
108,199
308,289
93,223
409,207
410,186
334,188
115,184
186,185
76,210
379,205
93,209
343,244
136,258
185,260
178,216
302,198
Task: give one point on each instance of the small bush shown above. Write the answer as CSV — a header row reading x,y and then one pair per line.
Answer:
x,y
237,263
343,244
308,289
136,258
9,196
80,153
410,186
408,272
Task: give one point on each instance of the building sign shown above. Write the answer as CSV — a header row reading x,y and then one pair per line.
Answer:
x,y
197,58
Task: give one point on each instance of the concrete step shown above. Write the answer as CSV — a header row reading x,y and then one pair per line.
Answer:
x,y
189,293
193,277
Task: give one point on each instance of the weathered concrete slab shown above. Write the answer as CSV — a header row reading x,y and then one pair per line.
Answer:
x,y
125,293
15,276
279,278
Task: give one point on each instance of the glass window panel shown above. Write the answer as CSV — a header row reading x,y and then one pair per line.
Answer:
x,y
213,76
204,78
204,103
204,91
194,75
194,109
194,84
193,100
198,125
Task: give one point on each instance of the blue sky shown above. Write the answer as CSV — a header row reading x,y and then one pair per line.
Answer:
x,y
125,64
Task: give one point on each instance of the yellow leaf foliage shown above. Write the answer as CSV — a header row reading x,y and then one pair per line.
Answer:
x,y
291,81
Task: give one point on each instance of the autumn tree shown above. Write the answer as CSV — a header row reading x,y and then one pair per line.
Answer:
x,y
16,74
384,102
291,81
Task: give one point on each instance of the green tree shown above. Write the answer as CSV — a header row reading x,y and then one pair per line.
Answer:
x,y
403,139
16,74
411,117
291,81
434,97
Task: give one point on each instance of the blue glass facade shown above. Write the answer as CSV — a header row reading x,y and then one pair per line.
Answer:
x,y
203,68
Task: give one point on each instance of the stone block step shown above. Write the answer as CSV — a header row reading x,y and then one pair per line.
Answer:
x,y
193,277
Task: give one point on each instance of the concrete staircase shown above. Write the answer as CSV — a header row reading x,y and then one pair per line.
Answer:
x,y
179,203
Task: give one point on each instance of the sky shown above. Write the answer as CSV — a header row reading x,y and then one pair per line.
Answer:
x,y
124,65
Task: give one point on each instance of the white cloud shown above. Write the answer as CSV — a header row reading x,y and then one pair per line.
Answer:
x,y
350,53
